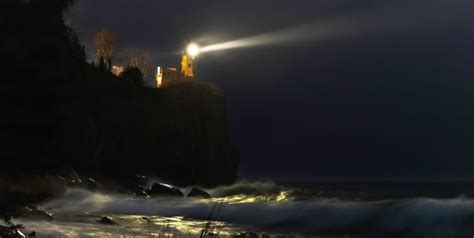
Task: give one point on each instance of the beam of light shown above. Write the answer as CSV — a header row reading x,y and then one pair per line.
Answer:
x,y
314,32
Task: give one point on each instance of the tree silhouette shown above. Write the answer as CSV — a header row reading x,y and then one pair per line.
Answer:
x,y
102,66
77,48
107,45
133,75
138,58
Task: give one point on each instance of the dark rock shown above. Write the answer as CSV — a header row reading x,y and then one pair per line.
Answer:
x,y
32,234
245,235
62,181
198,193
265,236
71,176
74,183
139,191
8,232
92,185
36,188
107,221
212,234
252,235
56,185
238,235
35,214
159,189
140,179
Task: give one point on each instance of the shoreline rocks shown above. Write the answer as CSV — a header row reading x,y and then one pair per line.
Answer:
x,y
160,189
35,214
107,221
198,193
10,232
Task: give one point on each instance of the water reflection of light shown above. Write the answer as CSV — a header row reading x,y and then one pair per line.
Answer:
x,y
283,196
129,226
241,198
77,215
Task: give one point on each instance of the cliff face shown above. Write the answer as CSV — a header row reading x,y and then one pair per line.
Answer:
x,y
61,111
177,133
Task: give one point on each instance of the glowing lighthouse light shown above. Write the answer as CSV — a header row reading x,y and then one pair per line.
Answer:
x,y
193,49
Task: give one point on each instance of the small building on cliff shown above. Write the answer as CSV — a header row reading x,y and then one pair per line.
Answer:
x,y
117,70
167,74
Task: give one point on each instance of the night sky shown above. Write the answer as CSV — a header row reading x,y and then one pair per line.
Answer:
x,y
389,96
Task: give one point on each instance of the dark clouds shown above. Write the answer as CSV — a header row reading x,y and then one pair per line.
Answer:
x,y
396,101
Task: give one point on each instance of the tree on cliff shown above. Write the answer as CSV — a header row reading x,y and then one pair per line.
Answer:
x,y
78,50
107,45
138,58
133,75
102,67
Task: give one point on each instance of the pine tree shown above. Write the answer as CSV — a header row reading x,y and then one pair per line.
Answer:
x,y
133,75
75,45
109,64
102,66
83,53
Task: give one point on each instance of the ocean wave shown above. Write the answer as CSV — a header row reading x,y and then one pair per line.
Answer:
x,y
419,217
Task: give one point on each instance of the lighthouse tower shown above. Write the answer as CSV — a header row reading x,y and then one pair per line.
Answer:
x,y
187,62
187,65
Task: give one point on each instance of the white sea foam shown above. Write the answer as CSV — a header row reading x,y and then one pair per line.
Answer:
x,y
419,217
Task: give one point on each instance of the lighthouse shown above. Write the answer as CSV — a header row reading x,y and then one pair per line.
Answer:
x,y
187,61
188,67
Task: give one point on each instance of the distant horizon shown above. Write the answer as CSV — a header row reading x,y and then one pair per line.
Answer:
x,y
336,179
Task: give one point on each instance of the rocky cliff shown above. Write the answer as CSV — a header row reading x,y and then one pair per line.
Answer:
x,y
61,111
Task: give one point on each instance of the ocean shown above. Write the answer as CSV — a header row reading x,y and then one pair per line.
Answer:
x,y
272,209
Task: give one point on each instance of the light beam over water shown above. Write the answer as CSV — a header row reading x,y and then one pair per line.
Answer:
x,y
314,32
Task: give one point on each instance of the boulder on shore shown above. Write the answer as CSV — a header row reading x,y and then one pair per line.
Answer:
x,y
107,221
32,188
198,193
10,232
245,235
70,176
93,185
35,214
139,191
160,189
